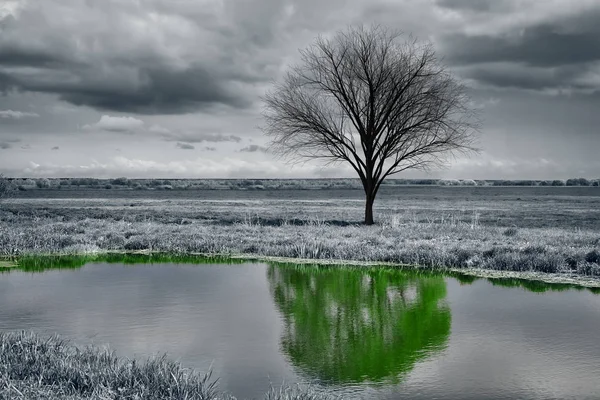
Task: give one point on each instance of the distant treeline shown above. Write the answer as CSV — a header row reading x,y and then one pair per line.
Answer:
x,y
24,184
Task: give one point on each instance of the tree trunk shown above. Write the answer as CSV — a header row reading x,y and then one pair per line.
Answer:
x,y
369,209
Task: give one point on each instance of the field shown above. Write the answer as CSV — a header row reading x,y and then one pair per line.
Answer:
x,y
544,232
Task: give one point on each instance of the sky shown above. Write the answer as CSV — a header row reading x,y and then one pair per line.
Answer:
x,y
172,88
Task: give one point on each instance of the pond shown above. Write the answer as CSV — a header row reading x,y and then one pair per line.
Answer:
x,y
363,333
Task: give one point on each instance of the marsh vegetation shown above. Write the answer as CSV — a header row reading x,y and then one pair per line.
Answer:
x,y
538,230
36,366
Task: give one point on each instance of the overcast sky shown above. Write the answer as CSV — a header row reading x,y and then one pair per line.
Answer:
x,y
171,88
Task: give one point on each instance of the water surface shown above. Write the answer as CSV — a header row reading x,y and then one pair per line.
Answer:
x,y
367,334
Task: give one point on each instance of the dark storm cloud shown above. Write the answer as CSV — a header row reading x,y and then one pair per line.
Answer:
x,y
5,145
519,76
543,45
552,54
21,57
7,82
131,59
157,90
55,148
160,91
185,146
253,148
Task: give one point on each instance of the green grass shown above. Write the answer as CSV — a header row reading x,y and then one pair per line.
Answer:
x,y
534,286
41,263
36,367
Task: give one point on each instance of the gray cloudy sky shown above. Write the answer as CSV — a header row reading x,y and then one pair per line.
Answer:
x,y
171,88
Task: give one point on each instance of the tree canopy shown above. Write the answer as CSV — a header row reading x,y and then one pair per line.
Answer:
x,y
370,99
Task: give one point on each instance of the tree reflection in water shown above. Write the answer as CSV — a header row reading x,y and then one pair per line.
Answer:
x,y
349,326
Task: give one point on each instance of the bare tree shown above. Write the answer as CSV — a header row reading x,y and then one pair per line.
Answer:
x,y
369,99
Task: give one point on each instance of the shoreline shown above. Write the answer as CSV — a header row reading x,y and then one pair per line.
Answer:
x,y
8,262
504,234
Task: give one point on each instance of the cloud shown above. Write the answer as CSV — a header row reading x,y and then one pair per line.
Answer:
x,y
161,56
253,148
136,167
191,137
181,57
184,139
559,52
548,44
488,166
177,58
116,124
9,8
159,129
201,167
562,79
7,143
185,146
470,5
55,148
206,63
484,103
10,114
61,108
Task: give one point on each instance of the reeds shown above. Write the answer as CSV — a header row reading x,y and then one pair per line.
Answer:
x,y
320,230
35,367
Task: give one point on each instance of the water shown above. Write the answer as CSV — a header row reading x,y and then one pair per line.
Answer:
x,y
376,334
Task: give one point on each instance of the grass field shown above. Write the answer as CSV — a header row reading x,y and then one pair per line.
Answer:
x,y
522,230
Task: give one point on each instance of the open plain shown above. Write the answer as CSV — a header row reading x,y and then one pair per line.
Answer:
x,y
547,233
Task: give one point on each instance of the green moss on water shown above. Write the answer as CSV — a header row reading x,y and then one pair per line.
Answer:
x,y
45,263
41,263
532,285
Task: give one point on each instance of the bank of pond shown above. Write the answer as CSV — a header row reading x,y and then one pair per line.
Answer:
x,y
352,332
